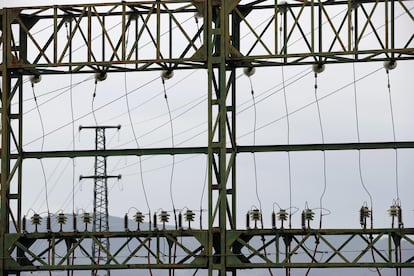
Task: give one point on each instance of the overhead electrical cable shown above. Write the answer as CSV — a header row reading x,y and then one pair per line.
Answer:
x,y
73,144
320,67
41,147
393,134
249,72
361,177
155,96
138,146
323,152
288,142
311,103
89,113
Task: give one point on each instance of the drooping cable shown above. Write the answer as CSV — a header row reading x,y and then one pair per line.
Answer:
x,y
255,165
323,152
173,156
41,149
360,162
254,143
287,129
398,201
340,89
288,153
172,166
393,135
141,174
138,146
73,143
361,177
96,109
324,169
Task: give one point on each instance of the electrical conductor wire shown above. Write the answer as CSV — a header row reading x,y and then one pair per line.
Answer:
x,y
41,148
73,143
140,165
359,140
324,153
255,166
393,134
172,168
138,146
360,163
173,156
324,169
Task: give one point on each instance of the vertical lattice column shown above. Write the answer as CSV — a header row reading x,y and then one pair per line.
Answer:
x,y
100,196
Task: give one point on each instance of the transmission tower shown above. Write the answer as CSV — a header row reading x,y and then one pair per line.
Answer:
x,y
100,195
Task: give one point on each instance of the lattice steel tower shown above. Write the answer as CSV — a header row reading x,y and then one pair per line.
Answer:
x,y
100,194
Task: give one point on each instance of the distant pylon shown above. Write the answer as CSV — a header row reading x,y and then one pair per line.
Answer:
x,y
100,196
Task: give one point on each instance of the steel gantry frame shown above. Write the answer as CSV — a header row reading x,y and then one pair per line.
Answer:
x,y
84,39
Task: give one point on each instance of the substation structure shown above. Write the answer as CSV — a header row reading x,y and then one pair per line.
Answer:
x,y
70,47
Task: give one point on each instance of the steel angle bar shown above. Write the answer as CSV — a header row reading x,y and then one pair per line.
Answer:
x,y
337,251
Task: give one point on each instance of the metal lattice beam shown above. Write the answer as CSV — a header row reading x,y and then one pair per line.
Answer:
x,y
63,39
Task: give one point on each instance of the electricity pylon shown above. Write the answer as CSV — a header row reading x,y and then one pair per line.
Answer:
x,y
100,221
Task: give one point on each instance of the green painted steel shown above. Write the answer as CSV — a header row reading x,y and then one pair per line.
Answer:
x,y
220,249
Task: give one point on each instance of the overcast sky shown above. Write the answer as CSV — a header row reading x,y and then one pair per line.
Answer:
x,y
187,90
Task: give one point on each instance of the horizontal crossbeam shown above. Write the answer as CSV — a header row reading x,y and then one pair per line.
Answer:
x,y
251,248
204,150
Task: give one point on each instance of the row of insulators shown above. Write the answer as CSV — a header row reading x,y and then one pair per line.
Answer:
x,y
87,218
255,215
163,217
61,219
394,211
308,215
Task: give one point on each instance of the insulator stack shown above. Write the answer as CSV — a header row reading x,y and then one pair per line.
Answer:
x,y
180,221
86,219
307,216
126,222
155,221
36,220
247,220
189,217
164,217
61,219
139,218
273,220
75,222
395,212
282,215
24,224
364,213
256,215
48,223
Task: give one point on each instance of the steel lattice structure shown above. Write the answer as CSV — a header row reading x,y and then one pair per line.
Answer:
x,y
72,48
100,194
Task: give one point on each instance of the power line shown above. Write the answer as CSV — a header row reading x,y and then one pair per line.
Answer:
x,y
42,143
